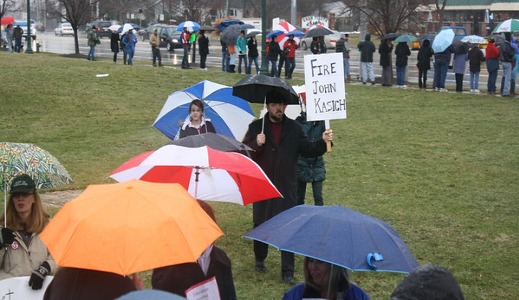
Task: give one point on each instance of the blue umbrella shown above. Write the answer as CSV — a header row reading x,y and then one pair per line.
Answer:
x,y
405,38
191,26
229,114
228,22
274,33
443,40
295,33
337,235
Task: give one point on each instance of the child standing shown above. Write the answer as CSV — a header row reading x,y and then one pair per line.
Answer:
x,y
476,56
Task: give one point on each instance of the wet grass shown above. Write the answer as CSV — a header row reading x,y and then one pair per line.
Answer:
x,y
441,168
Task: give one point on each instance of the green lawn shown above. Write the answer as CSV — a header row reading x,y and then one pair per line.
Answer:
x,y
441,168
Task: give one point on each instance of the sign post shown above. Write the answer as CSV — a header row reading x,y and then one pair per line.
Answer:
x,y
325,90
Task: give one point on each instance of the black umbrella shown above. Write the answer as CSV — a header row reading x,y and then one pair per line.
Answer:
x,y
231,33
390,36
213,140
318,31
207,28
252,33
460,47
253,88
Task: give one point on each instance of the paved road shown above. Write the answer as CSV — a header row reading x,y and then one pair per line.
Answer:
x,y
65,45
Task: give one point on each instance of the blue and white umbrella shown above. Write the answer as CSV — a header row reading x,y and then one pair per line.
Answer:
x,y
443,40
274,33
229,114
474,39
191,26
337,235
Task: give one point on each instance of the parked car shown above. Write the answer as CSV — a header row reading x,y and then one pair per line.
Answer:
x,y
102,28
39,26
23,25
330,40
459,33
64,29
169,36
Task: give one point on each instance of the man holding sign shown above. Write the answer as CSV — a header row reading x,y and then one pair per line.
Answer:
x,y
277,148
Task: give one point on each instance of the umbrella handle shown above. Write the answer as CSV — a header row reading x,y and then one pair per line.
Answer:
x,y
375,257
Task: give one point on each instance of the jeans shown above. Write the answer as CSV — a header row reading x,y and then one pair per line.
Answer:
x,y
440,73
17,45
185,58
240,58
512,85
249,66
507,74
400,75
225,61
91,52
274,68
156,55
281,63
9,44
422,78
290,65
474,80
367,71
317,190
491,84
346,67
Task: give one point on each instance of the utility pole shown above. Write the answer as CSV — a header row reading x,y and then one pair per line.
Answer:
x,y
293,12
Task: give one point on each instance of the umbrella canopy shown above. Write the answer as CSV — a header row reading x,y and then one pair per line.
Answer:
x,y
150,295
115,227
390,36
216,141
114,27
296,33
443,40
474,39
318,30
126,27
460,47
252,32
274,33
284,27
231,33
7,20
510,25
337,235
230,115
253,88
228,22
19,158
405,38
206,173
207,28
191,26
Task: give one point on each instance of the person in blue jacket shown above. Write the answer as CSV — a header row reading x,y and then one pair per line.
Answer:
x,y
326,281
129,42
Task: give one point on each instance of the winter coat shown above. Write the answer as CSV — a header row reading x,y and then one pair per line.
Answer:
x,y
274,51
310,169
366,48
385,53
280,163
252,44
507,52
178,278
424,57
476,56
129,42
154,40
18,259
114,42
402,52
83,284
292,46
445,56
492,53
187,130
203,45
460,63
344,47
241,45
91,38
315,47
301,291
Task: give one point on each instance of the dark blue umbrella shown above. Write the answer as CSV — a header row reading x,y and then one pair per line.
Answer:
x,y
274,33
337,235
228,22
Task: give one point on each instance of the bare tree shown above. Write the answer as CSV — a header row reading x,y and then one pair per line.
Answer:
x,y
76,12
440,7
385,16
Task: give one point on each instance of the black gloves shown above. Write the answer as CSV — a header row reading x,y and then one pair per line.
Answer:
x,y
7,237
38,275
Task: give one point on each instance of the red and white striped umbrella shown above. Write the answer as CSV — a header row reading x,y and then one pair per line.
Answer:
x,y
207,174
285,27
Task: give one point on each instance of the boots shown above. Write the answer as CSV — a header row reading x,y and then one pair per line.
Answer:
x,y
231,68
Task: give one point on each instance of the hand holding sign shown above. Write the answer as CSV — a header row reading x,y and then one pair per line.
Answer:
x,y
325,91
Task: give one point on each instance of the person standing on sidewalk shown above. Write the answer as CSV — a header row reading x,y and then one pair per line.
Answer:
x,y
114,44
92,40
241,45
9,35
402,53
203,49
184,38
507,58
424,63
253,54
492,53
343,47
17,35
367,48
155,48
476,56
385,49
290,57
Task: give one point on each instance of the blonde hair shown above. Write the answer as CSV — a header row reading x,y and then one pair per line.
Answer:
x,y
37,221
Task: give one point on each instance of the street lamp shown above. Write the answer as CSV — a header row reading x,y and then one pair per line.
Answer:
x,y
264,64
29,47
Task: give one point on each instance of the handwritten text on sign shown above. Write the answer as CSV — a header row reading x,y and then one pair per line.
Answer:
x,y
325,92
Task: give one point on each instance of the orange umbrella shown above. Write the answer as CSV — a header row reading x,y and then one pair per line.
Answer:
x,y
130,227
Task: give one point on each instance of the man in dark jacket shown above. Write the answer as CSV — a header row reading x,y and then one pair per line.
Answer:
x,y
203,49
367,48
278,141
507,58
402,52
272,56
385,49
424,63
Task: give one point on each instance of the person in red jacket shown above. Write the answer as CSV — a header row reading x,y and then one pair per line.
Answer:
x,y
290,58
492,54
184,37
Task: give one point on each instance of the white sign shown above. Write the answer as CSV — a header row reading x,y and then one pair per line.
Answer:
x,y
308,21
18,288
325,91
205,290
